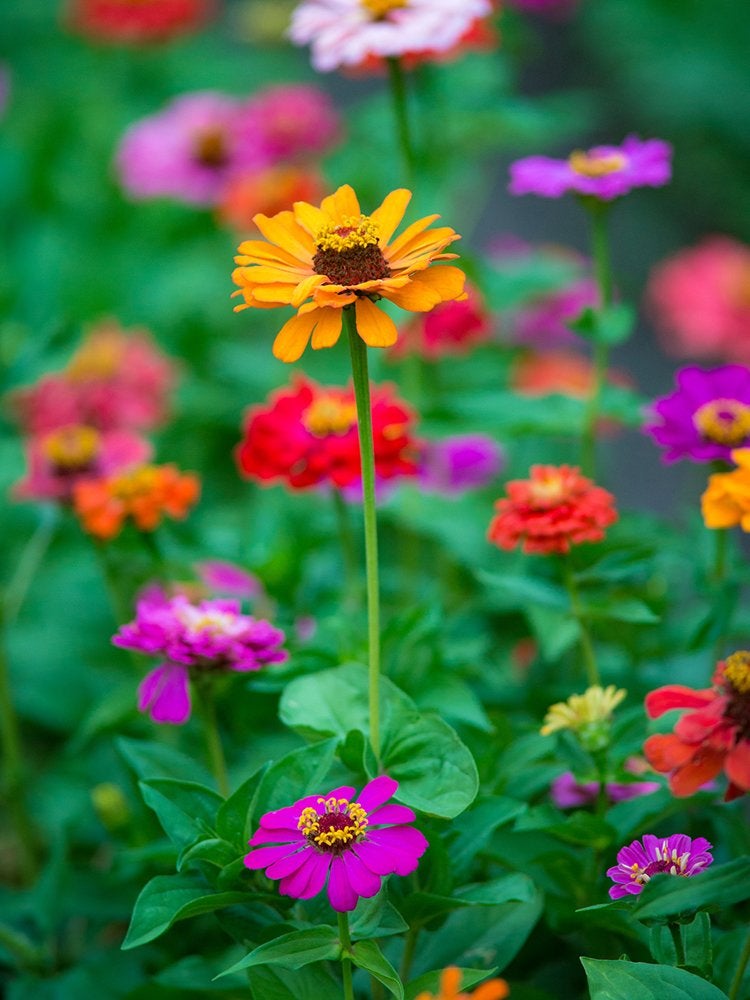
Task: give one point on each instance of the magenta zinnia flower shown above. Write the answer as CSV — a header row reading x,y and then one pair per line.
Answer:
x,y
194,638
707,417
350,844
348,32
460,463
567,792
673,855
604,172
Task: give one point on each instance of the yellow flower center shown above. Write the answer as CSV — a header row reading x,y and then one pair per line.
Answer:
x,y
547,492
724,421
329,414
352,232
210,147
380,8
349,252
71,448
98,358
214,621
132,484
342,823
737,671
596,164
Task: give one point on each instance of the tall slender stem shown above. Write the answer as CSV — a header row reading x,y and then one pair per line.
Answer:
x,y
213,737
364,423
679,947
739,972
587,647
346,962
28,564
603,274
720,554
407,958
398,94
348,552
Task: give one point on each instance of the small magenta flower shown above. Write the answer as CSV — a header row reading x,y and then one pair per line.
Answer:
x,y
459,463
349,844
194,639
673,855
604,172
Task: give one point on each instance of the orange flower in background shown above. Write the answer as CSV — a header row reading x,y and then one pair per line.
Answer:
x,y
726,501
551,511
268,192
320,260
144,495
450,982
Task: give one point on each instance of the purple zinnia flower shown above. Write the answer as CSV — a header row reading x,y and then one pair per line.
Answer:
x,y
544,321
228,578
569,793
674,855
189,150
707,417
350,844
604,172
460,463
207,636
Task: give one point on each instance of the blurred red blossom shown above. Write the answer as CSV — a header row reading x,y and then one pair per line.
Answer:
x,y
136,22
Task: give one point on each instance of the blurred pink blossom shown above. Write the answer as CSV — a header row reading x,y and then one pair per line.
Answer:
x,y
290,121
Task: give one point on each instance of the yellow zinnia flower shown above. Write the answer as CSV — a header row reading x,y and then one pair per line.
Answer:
x,y
726,501
320,260
595,705
450,982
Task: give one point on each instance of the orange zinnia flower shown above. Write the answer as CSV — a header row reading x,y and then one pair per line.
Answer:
x,y
145,495
320,260
726,501
450,981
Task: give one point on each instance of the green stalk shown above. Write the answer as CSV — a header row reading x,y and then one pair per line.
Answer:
x,y
679,947
397,80
739,973
410,945
348,551
346,962
603,273
361,381
213,737
587,647
29,563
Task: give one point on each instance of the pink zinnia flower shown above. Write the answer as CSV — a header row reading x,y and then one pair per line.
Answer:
x,y
451,328
349,32
292,121
673,855
569,793
194,638
189,150
460,463
228,578
351,845
700,300
139,22
604,172
60,459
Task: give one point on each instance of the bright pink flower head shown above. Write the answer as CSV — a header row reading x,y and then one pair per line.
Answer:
x,y
544,321
349,841
227,578
61,458
189,150
206,636
713,736
350,32
292,121
700,300
604,172
569,793
673,855
139,22
456,464
451,328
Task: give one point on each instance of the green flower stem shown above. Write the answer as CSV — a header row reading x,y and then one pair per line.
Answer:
x,y
348,551
120,605
346,962
739,972
397,81
29,563
361,380
587,647
410,945
720,554
603,273
679,947
213,737
13,774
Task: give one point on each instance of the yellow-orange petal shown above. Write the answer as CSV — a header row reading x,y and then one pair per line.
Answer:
x,y
328,329
389,214
260,252
373,325
408,234
283,231
495,989
327,295
450,981
292,338
280,295
306,287
414,297
741,457
260,274
425,246
309,217
341,203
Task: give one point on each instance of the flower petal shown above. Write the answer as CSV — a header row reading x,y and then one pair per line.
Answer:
x,y
737,765
341,203
389,215
364,882
283,231
292,338
262,857
374,326
342,896
664,699
328,329
165,694
376,792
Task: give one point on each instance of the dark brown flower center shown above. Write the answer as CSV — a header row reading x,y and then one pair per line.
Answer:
x,y
737,687
210,147
349,254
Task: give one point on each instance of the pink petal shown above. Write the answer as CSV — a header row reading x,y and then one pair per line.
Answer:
x,y
392,813
165,695
287,865
263,856
298,882
401,846
361,878
340,893
286,836
376,792
379,862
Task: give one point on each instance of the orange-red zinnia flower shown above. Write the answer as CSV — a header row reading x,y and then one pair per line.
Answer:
x,y
129,22
321,260
450,982
715,736
307,434
554,509
726,501
144,495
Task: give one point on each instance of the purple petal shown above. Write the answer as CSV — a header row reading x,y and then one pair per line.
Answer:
x,y
376,792
392,813
165,695
402,846
298,883
364,882
264,856
288,864
342,896
284,836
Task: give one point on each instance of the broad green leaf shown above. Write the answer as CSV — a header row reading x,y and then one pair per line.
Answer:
x,y
299,773
423,906
716,888
621,980
186,810
473,830
313,982
626,609
214,850
233,820
368,956
435,771
169,898
555,631
376,918
293,950
430,981
155,760
525,590
583,828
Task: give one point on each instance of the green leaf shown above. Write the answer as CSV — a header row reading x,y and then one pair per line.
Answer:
x,y
186,810
516,887
583,828
234,820
430,981
368,956
720,886
299,773
293,950
376,918
214,850
169,898
525,590
628,609
155,760
473,830
313,982
610,326
620,980
555,631
435,771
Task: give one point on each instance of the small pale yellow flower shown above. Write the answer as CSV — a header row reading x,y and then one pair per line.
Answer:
x,y
595,705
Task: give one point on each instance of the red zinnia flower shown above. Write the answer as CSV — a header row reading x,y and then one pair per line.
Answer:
x,y
554,509
450,328
714,737
308,435
125,21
